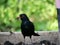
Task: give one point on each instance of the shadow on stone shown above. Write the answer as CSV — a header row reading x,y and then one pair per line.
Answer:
x,y
20,43
43,42
8,43
46,42
53,44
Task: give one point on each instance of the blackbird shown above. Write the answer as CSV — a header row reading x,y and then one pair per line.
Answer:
x,y
27,27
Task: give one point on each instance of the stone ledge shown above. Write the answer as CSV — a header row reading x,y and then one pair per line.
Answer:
x,y
17,37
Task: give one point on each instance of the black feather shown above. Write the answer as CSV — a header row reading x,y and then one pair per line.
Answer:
x,y
27,27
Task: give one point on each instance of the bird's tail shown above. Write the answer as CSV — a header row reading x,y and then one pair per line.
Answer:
x,y
35,34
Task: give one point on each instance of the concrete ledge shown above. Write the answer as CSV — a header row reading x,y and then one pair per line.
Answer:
x,y
17,37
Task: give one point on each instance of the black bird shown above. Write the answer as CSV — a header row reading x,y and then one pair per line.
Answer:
x,y
27,27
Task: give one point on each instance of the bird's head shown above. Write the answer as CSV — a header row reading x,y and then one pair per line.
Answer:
x,y
23,17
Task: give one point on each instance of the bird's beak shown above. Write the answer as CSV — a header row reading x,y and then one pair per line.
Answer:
x,y
17,18
21,17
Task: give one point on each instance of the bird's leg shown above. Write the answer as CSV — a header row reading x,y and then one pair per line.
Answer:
x,y
31,40
24,40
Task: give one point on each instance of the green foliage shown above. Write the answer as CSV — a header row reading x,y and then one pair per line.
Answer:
x,y
41,12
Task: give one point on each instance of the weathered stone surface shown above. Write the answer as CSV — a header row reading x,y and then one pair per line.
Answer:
x,y
17,37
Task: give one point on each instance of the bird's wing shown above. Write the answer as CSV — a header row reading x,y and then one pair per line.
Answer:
x,y
32,26
28,26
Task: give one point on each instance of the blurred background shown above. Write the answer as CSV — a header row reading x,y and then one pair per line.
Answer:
x,y
41,12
